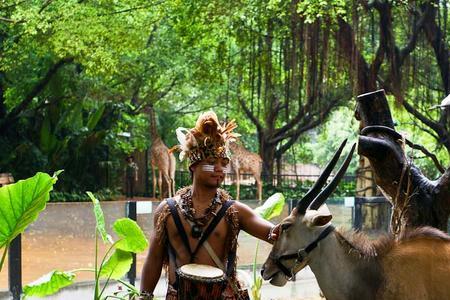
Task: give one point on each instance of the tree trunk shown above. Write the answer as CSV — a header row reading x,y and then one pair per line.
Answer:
x,y
279,179
267,152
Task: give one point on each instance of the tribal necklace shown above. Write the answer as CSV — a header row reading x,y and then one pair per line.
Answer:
x,y
188,210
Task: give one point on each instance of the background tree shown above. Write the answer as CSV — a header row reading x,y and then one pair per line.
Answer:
x,y
74,75
277,66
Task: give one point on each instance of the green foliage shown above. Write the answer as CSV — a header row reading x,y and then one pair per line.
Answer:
x,y
182,58
319,147
49,284
78,196
100,219
132,239
331,9
117,265
346,188
112,266
20,205
74,120
417,135
271,208
256,287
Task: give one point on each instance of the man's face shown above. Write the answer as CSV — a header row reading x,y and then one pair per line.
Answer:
x,y
211,171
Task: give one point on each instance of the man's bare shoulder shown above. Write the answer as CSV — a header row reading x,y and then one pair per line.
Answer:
x,y
164,205
242,207
161,207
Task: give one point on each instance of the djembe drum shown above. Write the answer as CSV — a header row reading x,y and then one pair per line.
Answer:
x,y
200,282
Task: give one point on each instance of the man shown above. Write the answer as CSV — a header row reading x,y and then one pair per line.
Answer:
x,y
196,208
131,176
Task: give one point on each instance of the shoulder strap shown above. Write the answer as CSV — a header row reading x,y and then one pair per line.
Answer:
x,y
179,225
173,261
213,225
172,253
230,262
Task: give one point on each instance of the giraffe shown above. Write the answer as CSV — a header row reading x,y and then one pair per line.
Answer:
x,y
161,159
243,160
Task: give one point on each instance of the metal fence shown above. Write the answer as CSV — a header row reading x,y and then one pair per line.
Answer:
x,y
293,186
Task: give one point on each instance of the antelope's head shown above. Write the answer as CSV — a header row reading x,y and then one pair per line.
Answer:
x,y
302,230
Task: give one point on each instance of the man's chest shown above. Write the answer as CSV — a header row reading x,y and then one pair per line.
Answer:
x,y
217,238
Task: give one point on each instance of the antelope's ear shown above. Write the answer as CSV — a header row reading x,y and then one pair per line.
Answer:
x,y
318,217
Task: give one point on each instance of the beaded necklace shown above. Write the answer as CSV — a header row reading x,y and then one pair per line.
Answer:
x,y
188,210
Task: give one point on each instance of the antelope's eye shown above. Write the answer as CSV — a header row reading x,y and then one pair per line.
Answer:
x,y
285,226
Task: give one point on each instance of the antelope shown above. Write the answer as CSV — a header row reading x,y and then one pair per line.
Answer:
x,y
347,265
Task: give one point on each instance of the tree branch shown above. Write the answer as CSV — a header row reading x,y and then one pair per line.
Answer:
x,y
3,19
426,129
249,114
428,154
433,125
347,46
437,40
130,9
377,61
164,93
417,26
35,91
308,126
295,135
280,132
45,5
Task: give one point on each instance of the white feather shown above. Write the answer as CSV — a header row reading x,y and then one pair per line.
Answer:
x,y
181,137
191,137
182,155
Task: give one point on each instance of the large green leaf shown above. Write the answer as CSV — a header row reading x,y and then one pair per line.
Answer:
x,y
47,139
100,219
94,117
117,265
49,284
21,203
272,207
132,238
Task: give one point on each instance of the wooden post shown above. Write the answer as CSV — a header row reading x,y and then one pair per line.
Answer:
x,y
373,109
131,211
15,267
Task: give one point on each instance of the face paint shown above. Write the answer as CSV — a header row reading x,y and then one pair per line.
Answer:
x,y
211,168
208,168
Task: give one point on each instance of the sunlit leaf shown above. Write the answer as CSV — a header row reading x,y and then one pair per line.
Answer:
x,y
100,219
21,203
49,284
272,207
117,265
132,238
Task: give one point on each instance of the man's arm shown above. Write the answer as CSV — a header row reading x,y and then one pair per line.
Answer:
x,y
151,270
255,225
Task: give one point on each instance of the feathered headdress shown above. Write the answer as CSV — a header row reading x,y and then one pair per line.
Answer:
x,y
207,139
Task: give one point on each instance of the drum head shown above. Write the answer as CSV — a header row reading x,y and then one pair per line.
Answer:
x,y
204,271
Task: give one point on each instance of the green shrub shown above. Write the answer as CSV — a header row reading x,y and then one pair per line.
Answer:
x,y
78,196
346,188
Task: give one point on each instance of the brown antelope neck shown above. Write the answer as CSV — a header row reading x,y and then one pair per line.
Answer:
x,y
359,245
